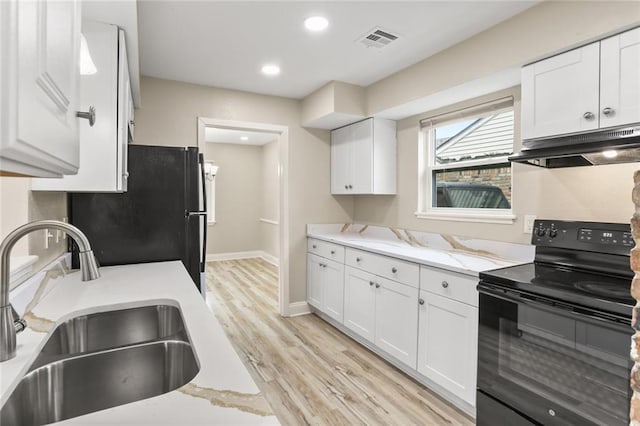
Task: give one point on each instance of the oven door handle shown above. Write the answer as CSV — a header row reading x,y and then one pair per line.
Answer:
x,y
573,310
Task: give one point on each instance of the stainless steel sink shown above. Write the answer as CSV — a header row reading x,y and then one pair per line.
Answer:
x,y
100,361
112,329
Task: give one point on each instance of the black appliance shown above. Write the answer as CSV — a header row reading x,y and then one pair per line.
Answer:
x,y
161,216
554,335
607,146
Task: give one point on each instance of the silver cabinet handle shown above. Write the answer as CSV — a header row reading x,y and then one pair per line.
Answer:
x,y
314,246
132,123
125,175
370,282
445,284
89,115
333,252
346,187
377,285
607,111
394,269
421,301
350,186
358,259
588,115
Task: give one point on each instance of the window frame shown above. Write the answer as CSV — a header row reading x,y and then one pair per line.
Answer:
x,y
427,167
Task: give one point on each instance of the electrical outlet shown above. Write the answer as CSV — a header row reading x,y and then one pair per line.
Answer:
x,y
528,223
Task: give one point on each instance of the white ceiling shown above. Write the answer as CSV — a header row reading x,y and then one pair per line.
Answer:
x,y
224,44
216,135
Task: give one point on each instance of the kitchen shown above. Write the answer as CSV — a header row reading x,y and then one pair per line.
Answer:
x,y
441,83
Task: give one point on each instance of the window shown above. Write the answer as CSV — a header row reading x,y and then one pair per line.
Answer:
x,y
210,171
465,172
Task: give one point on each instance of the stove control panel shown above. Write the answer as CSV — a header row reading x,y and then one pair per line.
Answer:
x,y
614,238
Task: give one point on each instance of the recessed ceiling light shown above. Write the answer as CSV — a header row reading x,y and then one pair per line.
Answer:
x,y
244,138
316,23
270,69
611,153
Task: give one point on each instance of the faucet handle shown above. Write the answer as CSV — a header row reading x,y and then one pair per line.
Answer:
x,y
18,323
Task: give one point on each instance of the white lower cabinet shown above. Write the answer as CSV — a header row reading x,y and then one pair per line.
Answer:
x,y
325,285
360,302
447,344
383,312
422,319
397,320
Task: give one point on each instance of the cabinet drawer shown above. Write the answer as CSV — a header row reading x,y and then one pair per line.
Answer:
x,y
448,284
325,249
387,267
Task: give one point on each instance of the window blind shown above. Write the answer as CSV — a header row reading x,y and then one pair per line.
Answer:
x,y
468,112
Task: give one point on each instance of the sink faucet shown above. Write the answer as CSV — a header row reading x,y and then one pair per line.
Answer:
x,y
10,322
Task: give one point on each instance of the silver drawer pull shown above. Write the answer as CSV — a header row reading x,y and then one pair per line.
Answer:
x,y
377,285
589,115
358,259
314,246
394,269
607,111
445,284
333,252
421,301
370,282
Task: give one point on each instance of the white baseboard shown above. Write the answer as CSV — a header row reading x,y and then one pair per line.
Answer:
x,y
243,255
270,258
299,308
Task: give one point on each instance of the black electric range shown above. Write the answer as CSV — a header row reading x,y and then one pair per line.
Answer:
x,y
554,335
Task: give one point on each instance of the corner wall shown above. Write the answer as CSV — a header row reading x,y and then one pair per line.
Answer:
x,y
168,117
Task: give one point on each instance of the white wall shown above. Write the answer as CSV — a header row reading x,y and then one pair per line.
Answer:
x,y
596,193
238,197
269,209
168,117
18,205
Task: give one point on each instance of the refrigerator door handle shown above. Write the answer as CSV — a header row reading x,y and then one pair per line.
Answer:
x,y
203,213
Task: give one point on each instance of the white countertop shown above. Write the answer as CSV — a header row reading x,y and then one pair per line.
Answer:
x,y
222,392
467,256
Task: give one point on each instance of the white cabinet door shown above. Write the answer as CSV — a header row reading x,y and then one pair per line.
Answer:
x,y
620,79
40,42
124,110
314,280
361,158
340,151
103,149
560,94
333,289
447,344
397,320
360,302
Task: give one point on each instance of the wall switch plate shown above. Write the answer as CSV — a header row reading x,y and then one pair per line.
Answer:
x,y
528,223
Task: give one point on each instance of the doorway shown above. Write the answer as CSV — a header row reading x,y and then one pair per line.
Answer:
x,y
247,165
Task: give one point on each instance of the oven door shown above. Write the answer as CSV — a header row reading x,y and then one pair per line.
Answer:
x,y
553,363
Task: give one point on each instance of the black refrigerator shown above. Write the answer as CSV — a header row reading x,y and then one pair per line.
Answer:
x,y
161,217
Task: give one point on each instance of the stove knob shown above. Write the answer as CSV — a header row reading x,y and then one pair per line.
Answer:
x,y
553,233
541,232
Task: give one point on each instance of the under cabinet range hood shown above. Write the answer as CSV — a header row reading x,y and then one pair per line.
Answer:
x,y
610,146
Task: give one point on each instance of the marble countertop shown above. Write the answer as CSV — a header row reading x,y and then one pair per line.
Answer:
x,y
222,392
467,256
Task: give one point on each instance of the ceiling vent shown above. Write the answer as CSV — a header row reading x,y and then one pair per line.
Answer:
x,y
378,38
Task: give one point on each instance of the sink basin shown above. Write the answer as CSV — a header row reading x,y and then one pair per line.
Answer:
x,y
98,361
112,329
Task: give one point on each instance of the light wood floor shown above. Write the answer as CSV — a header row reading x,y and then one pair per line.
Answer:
x,y
309,371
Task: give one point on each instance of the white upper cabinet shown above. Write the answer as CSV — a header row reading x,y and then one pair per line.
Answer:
x,y
103,146
39,76
363,158
620,79
595,86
